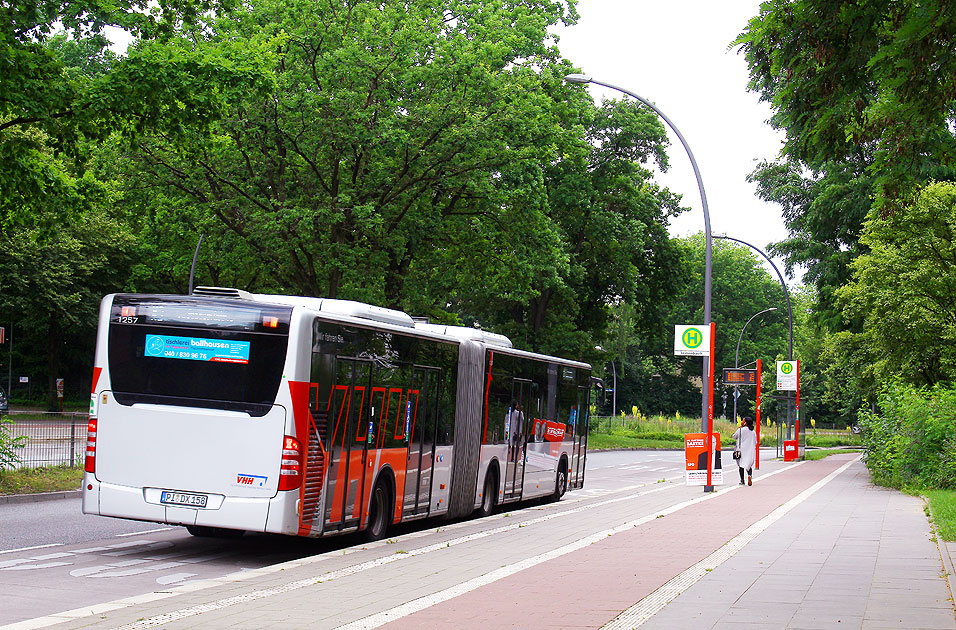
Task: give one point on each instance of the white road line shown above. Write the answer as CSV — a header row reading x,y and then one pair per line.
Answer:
x,y
173,578
151,546
31,548
148,531
44,565
643,610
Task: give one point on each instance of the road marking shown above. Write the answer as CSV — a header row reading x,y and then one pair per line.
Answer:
x,y
31,548
643,610
148,531
44,565
173,578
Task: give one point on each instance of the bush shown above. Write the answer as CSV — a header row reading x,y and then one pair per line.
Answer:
x,y
9,444
911,442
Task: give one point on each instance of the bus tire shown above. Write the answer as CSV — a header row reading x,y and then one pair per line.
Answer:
x,y
378,512
560,481
489,496
202,531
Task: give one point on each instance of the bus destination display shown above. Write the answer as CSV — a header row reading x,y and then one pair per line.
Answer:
x,y
736,376
197,349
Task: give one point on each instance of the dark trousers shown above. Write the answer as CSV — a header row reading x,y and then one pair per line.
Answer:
x,y
749,472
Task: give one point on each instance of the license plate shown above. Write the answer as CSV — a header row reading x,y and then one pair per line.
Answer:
x,y
183,498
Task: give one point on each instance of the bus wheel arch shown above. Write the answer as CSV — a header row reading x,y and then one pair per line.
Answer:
x,y
489,493
380,506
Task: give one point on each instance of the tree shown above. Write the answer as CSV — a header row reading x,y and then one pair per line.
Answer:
x,y
443,167
52,286
60,86
654,379
865,93
874,79
62,95
824,212
609,221
387,123
904,290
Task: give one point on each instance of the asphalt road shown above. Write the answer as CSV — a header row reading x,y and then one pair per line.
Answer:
x,y
53,558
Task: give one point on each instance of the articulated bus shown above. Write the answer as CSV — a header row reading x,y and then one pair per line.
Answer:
x,y
226,411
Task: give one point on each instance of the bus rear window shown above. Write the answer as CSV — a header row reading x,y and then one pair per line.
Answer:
x,y
197,352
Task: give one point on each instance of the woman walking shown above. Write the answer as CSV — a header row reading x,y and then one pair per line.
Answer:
x,y
747,445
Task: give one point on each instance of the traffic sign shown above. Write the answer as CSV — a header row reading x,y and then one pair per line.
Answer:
x,y
787,375
692,341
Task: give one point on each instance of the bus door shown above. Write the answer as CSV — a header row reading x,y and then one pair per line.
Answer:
x,y
578,425
347,443
421,444
519,425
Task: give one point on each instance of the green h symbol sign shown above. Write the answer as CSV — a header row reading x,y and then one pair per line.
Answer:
x,y
692,338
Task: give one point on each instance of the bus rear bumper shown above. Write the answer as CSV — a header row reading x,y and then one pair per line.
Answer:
x,y
107,499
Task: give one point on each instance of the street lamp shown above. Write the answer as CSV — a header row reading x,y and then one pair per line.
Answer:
x,y
613,387
786,293
737,353
704,404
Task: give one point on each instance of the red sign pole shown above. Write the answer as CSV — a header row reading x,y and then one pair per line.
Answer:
x,y
797,432
710,412
757,461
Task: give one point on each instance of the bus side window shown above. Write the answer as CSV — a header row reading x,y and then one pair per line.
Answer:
x,y
448,392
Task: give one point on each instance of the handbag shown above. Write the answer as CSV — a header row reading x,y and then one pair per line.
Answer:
x,y
737,454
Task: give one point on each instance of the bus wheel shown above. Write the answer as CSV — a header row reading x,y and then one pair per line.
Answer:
x,y
202,531
561,482
378,513
489,496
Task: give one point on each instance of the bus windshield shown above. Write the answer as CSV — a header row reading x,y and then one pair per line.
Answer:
x,y
197,352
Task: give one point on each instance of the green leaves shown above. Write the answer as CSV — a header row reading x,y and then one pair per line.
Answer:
x,y
910,443
904,288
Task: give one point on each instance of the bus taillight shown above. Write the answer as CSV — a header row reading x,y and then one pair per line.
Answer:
x,y
290,473
90,465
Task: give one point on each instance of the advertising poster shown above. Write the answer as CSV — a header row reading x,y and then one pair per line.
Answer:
x,y
695,456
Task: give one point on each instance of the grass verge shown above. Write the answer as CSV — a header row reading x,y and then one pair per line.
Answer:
x,y
815,455
942,505
32,480
608,441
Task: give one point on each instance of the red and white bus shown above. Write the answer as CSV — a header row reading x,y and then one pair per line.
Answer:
x,y
226,411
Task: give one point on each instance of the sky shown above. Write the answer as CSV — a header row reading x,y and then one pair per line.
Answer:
x,y
675,54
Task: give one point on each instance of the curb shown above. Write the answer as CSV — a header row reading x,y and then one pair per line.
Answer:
x,y
944,554
37,498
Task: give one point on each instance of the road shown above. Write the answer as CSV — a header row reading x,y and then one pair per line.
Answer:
x,y
53,559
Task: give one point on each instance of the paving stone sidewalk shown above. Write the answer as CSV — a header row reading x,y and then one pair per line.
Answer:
x,y
850,556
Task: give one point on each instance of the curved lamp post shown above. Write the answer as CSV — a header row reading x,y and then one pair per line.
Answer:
x,y
583,78
737,353
786,292
614,386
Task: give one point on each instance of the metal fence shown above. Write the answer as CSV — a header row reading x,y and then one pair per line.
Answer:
x,y
53,439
